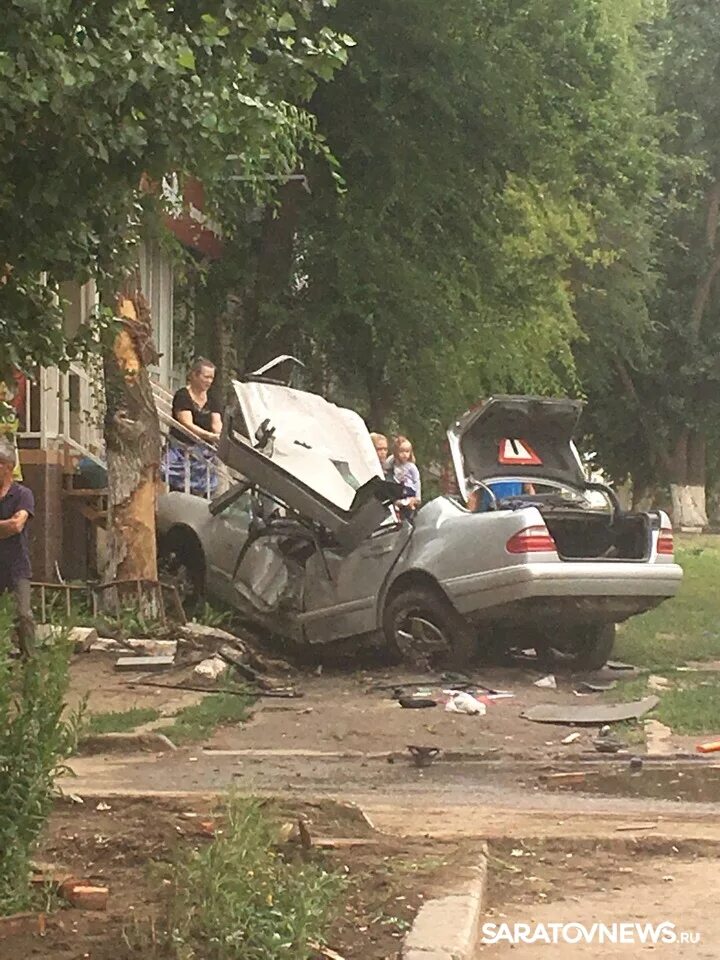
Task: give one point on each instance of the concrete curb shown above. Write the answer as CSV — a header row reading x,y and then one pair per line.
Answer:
x,y
449,928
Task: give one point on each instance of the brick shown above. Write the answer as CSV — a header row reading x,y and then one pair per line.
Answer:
x,y
85,896
19,923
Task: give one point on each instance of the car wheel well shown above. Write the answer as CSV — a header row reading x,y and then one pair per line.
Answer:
x,y
411,579
184,541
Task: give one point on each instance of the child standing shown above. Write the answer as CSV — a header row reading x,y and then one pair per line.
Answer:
x,y
406,473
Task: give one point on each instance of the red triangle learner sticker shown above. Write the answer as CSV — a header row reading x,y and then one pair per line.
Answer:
x,y
517,453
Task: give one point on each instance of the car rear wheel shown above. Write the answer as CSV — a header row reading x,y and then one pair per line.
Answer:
x,y
422,625
588,646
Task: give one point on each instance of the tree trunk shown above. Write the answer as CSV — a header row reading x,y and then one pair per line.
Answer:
x,y
687,481
132,439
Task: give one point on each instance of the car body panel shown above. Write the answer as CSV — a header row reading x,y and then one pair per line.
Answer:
x,y
325,446
282,478
342,588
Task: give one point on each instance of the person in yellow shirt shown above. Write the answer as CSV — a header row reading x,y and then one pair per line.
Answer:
x,y
9,425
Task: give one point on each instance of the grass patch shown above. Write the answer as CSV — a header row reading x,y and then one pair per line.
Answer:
x,y
200,721
686,627
239,897
693,707
690,706
120,721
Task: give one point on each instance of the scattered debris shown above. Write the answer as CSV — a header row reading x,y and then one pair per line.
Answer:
x,y
549,682
627,827
461,702
211,669
85,896
657,738
588,686
636,763
416,703
606,743
574,776
103,807
153,648
19,923
304,834
144,664
423,756
105,645
618,665
712,746
325,952
571,738
591,715
82,637
658,683
201,632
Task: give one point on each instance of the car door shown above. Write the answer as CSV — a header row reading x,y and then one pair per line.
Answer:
x,y
342,587
227,536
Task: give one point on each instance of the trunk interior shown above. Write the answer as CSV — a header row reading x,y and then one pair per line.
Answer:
x,y
580,535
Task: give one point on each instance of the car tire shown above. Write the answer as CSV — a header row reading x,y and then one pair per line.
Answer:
x,y
421,625
594,648
181,563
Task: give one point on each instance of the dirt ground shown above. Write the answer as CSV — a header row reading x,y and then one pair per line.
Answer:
x,y
636,882
356,711
388,878
93,678
588,850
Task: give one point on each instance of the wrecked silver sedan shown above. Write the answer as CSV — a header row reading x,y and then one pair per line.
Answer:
x,y
307,542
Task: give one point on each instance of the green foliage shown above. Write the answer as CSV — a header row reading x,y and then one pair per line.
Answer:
x,y
239,899
98,97
198,722
36,736
652,363
490,153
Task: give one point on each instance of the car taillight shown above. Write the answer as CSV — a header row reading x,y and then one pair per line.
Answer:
x,y
666,544
531,540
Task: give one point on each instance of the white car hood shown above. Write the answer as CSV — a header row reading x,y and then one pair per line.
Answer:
x,y
325,446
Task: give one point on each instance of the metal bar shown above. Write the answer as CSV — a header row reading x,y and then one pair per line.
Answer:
x,y
43,604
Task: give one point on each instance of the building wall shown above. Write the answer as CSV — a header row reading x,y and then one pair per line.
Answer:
x,y
43,474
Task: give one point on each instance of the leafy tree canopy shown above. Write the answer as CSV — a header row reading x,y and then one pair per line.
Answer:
x,y
493,153
97,96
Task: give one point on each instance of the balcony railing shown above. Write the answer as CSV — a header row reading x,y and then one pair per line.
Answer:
x,y
65,409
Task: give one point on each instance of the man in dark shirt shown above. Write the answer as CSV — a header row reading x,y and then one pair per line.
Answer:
x,y
17,506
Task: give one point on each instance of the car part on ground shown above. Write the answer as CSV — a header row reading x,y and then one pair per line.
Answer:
x,y
591,715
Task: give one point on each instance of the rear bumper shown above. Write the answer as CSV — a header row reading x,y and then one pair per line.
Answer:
x,y
579,591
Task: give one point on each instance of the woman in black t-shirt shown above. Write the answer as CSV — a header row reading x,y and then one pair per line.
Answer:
x,y
189,461
198,413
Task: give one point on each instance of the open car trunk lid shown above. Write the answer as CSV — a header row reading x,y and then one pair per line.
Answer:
x,y
530,439
515,436
313,456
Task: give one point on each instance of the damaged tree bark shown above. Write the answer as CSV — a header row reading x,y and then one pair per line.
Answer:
x,y
132,441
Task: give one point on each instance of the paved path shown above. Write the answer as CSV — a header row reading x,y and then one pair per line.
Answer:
x,y
688,898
